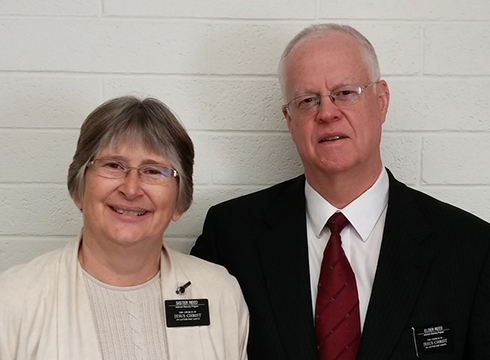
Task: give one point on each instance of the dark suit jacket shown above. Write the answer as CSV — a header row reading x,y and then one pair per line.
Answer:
x,y
433,270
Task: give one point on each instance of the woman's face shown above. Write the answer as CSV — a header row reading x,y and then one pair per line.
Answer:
x,y
127,211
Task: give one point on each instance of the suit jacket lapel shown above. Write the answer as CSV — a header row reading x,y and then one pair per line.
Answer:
x,y
284,256
402,265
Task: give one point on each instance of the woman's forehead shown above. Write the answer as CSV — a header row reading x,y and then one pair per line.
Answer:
x,y
129,143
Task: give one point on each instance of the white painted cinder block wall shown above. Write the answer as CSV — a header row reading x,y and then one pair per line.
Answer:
x,y
214,63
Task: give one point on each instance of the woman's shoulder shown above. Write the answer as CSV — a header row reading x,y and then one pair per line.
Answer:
x,y
18,281
197,265
211,276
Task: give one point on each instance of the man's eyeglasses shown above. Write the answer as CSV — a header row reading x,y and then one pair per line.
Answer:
x,y
341,96
152,174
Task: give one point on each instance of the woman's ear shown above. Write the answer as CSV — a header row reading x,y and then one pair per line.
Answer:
x,y
77,201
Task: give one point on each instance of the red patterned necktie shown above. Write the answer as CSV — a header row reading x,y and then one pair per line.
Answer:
x,y
337,324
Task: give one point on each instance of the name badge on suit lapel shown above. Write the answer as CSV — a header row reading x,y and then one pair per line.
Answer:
x,y
432,339
188,312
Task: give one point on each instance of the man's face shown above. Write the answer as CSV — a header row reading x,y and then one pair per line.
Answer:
x,y
334,140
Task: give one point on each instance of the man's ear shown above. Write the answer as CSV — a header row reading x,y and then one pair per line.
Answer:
x,y
383,94
286,115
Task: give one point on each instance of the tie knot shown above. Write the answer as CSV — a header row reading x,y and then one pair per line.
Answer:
x,y
337,222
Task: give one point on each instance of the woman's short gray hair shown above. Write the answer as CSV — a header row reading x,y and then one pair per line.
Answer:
x,y
321,30
149,120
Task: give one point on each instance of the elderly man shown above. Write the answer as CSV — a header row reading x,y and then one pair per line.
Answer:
x,y
345,262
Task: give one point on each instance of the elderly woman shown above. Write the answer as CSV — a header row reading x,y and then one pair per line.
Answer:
x,y
118,292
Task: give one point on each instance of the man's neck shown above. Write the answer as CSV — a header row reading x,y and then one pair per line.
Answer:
x,y
341,188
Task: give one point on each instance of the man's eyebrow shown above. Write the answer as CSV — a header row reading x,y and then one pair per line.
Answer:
x,y
307,91
303,91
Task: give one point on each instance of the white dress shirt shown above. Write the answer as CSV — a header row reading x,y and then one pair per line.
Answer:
x,y
361,239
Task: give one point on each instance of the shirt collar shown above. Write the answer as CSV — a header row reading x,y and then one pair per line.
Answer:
x,y
362,213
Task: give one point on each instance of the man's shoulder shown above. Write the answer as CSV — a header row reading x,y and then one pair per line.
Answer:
x,y
435,210
258,199
450,213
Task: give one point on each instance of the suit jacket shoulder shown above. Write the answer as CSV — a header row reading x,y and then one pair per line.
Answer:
x,y
435,213
433,270
288,192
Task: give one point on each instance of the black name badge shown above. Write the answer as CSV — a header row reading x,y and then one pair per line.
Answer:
x,y
189,312
432,340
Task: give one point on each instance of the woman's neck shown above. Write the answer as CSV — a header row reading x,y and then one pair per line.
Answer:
x,y
120,266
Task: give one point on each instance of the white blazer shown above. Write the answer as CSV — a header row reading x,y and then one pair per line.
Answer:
x,y
45,312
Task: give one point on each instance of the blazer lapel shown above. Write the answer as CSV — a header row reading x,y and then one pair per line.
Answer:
x,y
284,256
402,265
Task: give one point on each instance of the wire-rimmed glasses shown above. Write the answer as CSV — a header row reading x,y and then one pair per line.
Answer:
x,y
341,96
152,174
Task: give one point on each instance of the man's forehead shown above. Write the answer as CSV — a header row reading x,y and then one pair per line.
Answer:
x,y
342,61
325,43
322,62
